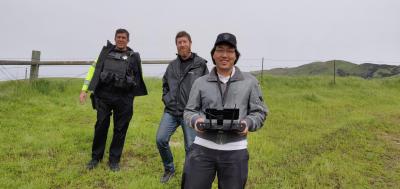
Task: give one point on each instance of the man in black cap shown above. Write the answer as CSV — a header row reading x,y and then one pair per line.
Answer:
x,y
217,151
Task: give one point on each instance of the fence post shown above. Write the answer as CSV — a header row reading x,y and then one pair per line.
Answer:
x,y
262,69
34,74
334,71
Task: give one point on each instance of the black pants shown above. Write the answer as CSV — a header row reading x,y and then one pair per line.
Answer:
x,y
202,164
121,106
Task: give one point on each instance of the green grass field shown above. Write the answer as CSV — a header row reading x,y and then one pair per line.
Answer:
x,y
318,135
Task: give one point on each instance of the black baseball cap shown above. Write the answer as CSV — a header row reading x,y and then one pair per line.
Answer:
x,y
226,38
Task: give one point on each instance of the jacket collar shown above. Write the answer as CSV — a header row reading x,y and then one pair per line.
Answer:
x,y
192,55
196,59
212,76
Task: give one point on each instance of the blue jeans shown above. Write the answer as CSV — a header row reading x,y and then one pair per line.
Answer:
x,y
168,126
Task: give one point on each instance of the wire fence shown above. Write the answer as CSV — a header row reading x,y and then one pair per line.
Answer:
x,y
17,72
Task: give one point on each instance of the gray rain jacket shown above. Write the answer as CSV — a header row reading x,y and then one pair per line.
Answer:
x,y
176,85
243,93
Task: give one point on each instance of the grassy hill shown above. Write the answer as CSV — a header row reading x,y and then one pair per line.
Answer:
x,y
343,68
318,135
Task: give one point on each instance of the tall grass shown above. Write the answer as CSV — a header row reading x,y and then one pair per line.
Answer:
x,y
318,135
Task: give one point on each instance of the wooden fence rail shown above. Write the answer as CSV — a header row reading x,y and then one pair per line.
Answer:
x,y
35,63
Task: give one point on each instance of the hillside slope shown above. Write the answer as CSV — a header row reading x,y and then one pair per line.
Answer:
x,y
343,68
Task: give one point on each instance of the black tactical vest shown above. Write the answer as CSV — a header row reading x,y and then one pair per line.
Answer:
x,y
115,71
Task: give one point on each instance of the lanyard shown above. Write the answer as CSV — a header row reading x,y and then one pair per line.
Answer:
x,y
223,96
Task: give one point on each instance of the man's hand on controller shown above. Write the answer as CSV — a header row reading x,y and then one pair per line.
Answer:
x,y
246,129
198,121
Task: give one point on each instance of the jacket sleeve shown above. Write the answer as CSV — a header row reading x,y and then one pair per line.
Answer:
x,y
257,110
193,106
89,76
139,66
165,86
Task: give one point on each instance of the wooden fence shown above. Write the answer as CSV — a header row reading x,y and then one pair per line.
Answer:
x,y
35,63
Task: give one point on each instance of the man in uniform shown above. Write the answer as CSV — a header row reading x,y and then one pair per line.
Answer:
x,y
114,79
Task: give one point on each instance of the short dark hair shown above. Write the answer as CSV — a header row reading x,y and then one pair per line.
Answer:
x,y
121,30
183,34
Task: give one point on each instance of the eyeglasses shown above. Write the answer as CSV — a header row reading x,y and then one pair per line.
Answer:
x,y
227,51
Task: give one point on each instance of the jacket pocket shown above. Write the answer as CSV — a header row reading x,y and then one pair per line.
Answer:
x,y
167,99
194,74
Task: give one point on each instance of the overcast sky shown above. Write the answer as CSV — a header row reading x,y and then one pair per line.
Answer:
x,y
284,32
